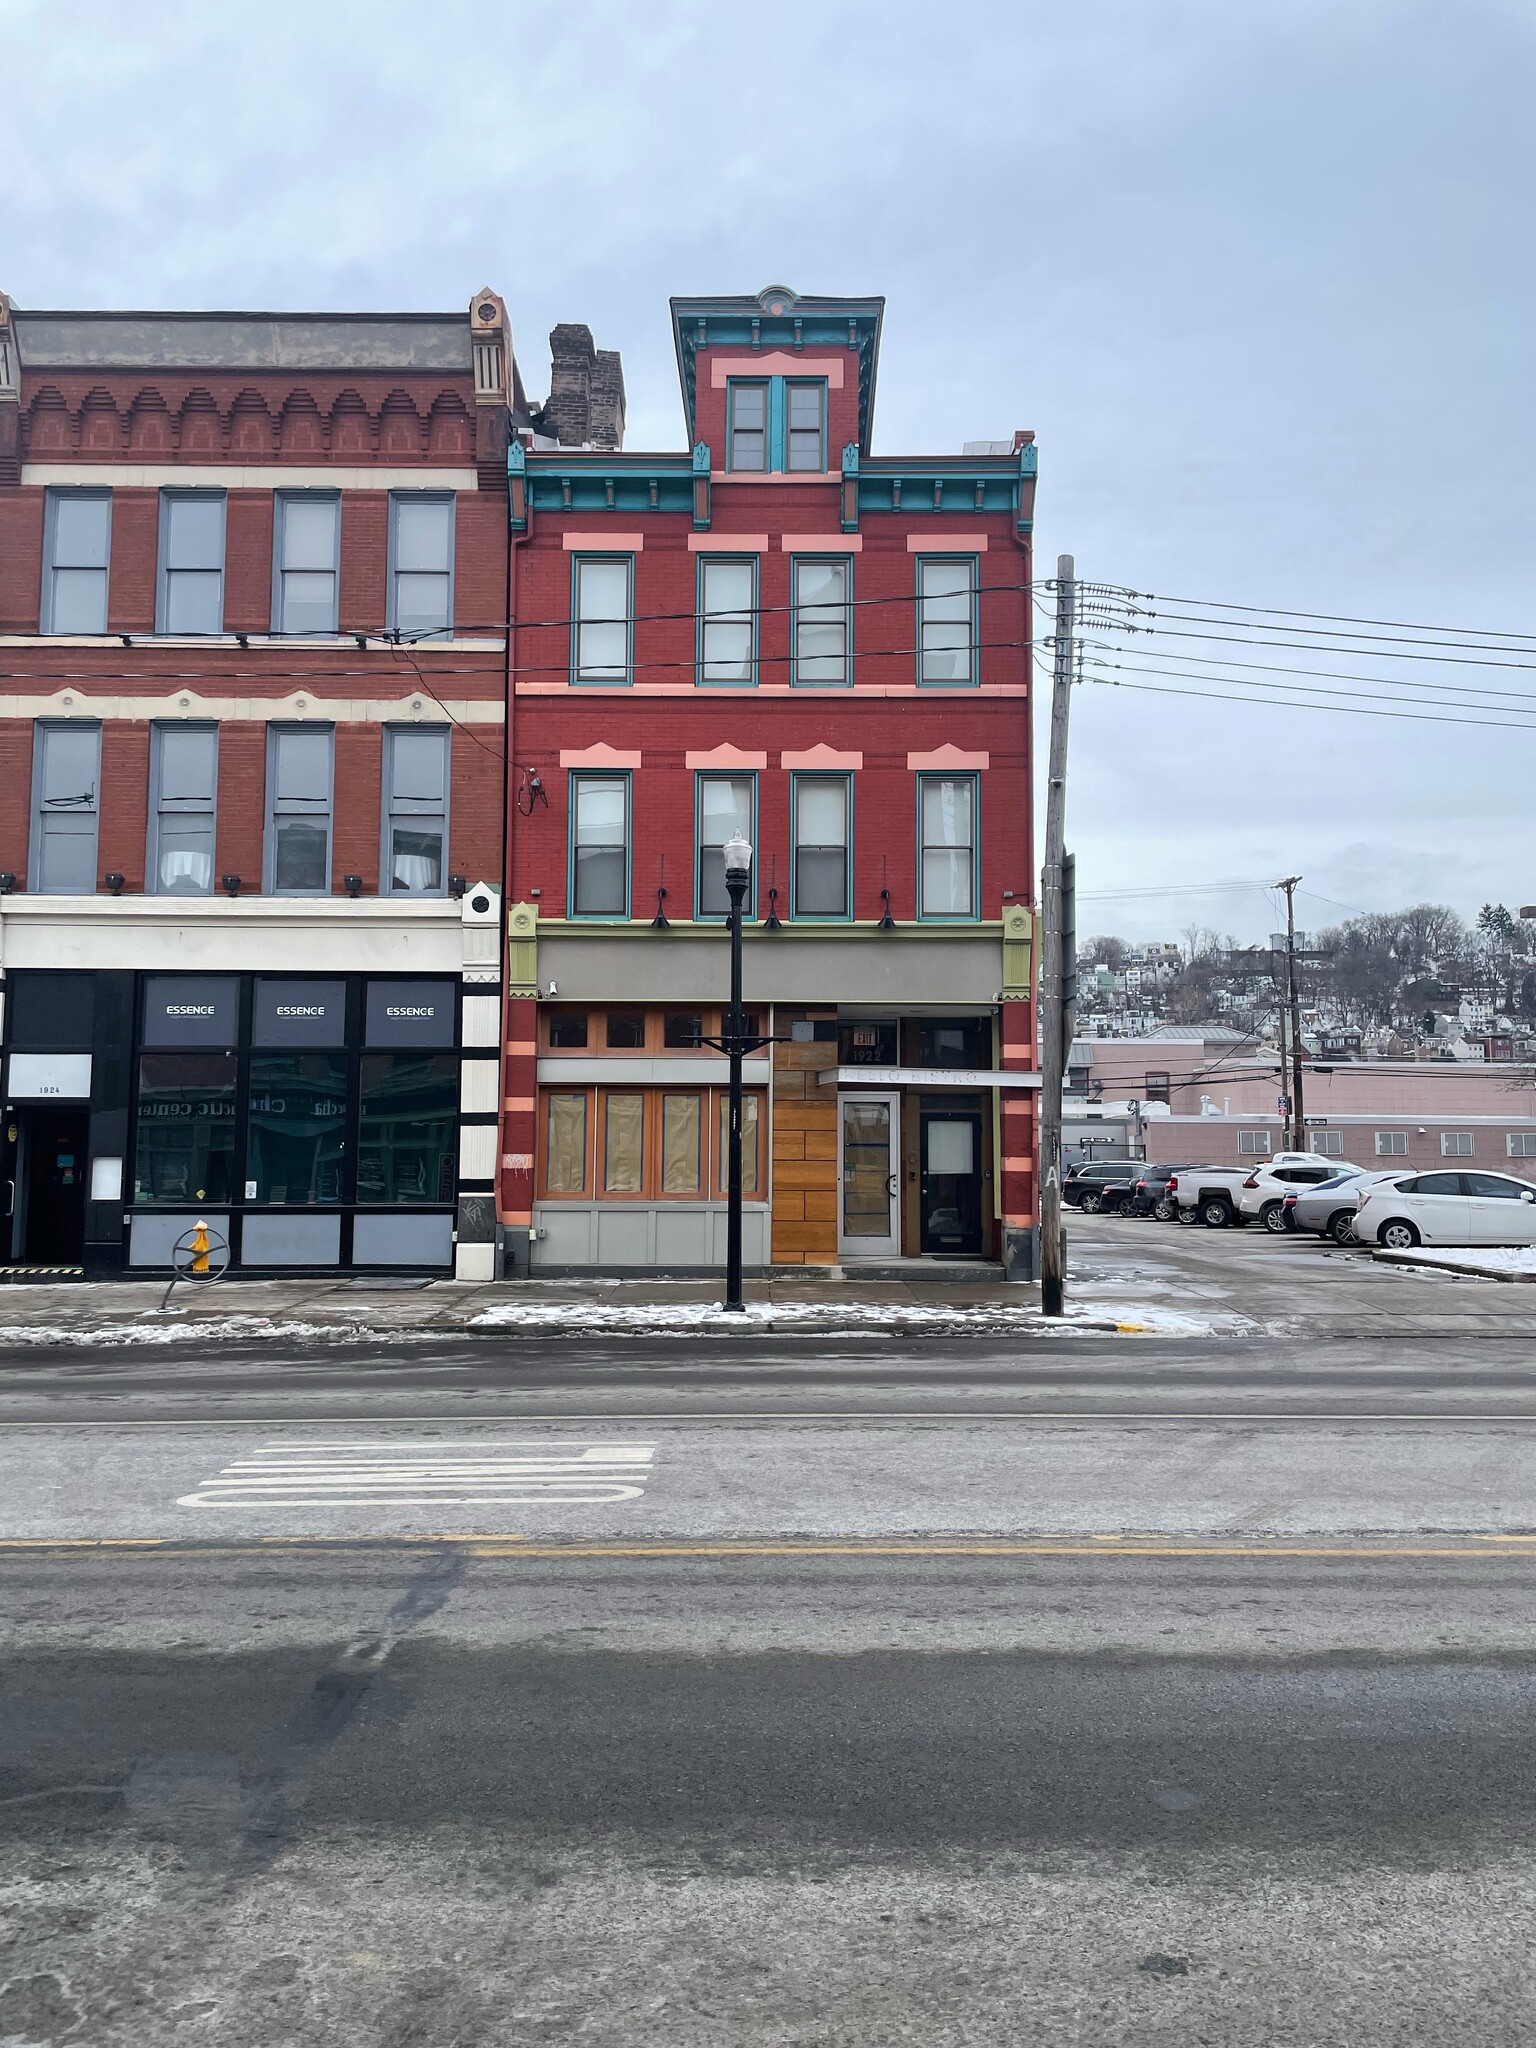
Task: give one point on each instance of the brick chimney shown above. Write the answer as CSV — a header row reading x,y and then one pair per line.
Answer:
x,y
585,407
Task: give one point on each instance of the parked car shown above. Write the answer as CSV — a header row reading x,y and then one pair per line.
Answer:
x,y
1150,1196
1263,1193
1087,1185
1220,1196
1329,1208
1399,1211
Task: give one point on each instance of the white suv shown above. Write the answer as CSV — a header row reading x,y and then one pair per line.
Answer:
x,y
1263,1193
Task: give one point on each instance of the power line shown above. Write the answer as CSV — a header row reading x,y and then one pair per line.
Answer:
x,y
1354,709
1323,674
1337,618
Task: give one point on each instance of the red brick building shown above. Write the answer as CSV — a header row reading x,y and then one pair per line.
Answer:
x,y
780,632
252,684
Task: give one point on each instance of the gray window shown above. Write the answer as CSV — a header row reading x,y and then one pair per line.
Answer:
x,y
1391,1144
600,601
725,620
1521,1144
725,808
183,772
77,534
747,429
306,562
600,846
1330,1143
947,810
299,810
1455,1144
821,846
415,810
946,608
421,562
820,621
191,562
807,412
1251,1144
66,784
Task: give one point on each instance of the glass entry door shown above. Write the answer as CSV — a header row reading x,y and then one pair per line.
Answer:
x,y
869,1128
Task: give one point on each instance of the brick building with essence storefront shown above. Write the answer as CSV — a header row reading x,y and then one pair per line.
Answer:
x,y
779,632
252,685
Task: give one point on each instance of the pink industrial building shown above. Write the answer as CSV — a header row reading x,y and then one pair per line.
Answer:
x,y
1211,1096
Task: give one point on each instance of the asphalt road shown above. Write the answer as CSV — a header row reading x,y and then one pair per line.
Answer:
x,y
1130,1692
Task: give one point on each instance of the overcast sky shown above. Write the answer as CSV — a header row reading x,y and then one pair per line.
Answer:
x,y
1259,276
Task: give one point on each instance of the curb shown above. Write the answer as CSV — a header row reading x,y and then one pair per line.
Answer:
x,y
1465,1268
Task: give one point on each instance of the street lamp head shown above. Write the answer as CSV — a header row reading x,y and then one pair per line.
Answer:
x,y
738,855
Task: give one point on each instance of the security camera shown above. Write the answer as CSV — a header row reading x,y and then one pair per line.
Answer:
x,y
553,990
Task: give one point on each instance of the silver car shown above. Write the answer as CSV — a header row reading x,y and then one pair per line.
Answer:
x,y
1329,1208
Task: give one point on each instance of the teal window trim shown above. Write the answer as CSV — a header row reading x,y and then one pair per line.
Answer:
x,y
579,681
575,778
799,778
973,915
972,564
732,387
795,680
706,561
700,777
819,386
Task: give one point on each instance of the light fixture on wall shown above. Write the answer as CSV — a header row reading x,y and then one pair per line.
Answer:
x,y
230,884
353,884
457,884
887,922
660,922
115,883
7,883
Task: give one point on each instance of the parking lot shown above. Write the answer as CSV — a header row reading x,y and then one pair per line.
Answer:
x,y
1291,1282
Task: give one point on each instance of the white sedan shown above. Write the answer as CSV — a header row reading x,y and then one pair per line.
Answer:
x,y
1403,1210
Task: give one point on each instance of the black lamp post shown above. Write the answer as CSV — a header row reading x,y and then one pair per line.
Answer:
x,y
738,875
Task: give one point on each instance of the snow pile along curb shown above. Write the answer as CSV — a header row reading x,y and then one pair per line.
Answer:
x,y
1481,1262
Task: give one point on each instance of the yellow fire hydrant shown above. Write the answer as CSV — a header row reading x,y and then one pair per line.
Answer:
x,y
200,1247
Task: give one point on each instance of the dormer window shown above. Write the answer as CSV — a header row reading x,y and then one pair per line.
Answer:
x,y
776,424
748,425
807,425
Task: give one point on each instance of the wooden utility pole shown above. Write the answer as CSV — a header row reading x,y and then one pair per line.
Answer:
x,y
1053,1052
1298,1106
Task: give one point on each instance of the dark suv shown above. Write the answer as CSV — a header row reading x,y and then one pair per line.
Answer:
x,y
1150,1196
1095,1184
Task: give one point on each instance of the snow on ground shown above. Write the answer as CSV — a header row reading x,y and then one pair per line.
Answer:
x,y
686,1317
1501,1261
682,1319
167,1331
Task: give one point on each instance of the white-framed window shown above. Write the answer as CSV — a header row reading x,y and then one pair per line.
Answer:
x,y
946,872
727,619
946,619
421,562
1522,1145
66,797
1328,1144
306,562
77,540
191,594
821,623
1253,1144
299,784
183,782
416,769
1391,1144
601,587
725,806
1455,1144
806,416
746,430
599,884
821,807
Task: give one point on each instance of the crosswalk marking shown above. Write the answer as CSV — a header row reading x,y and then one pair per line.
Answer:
x,y
474,1473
